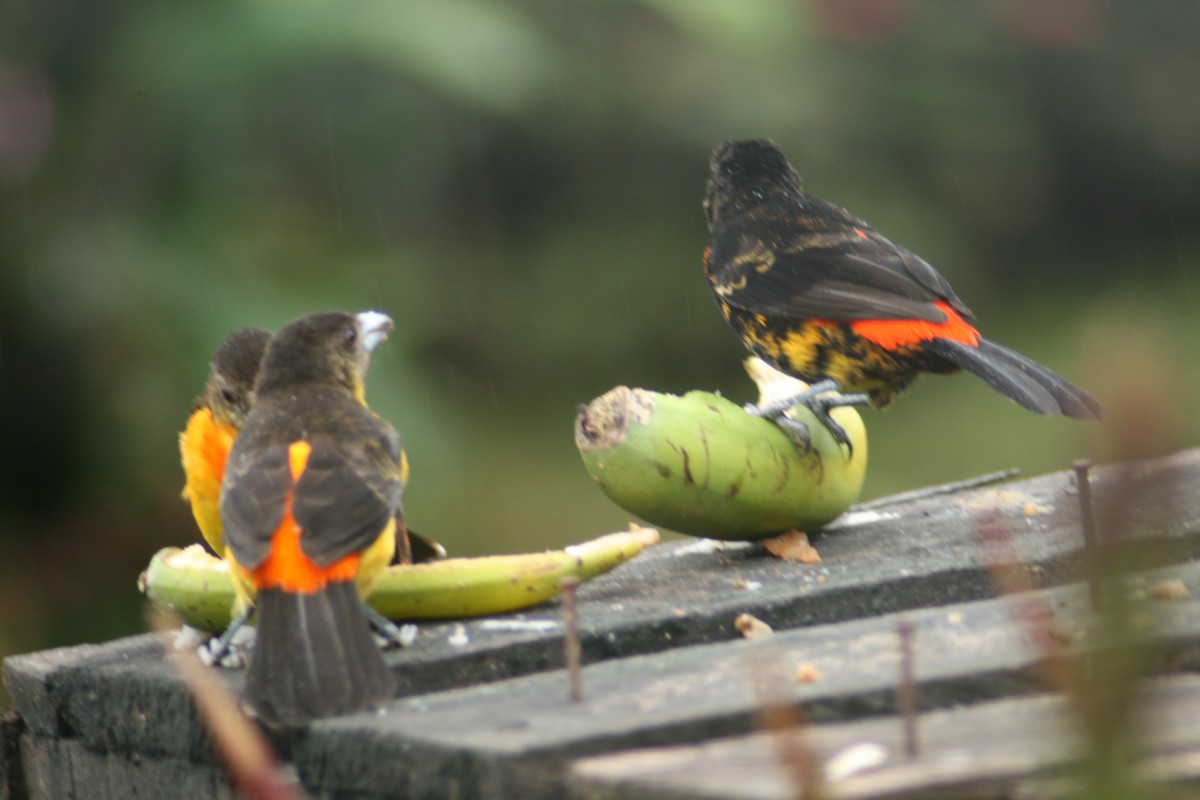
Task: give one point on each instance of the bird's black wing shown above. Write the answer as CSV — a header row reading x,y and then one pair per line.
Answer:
x,y
809,259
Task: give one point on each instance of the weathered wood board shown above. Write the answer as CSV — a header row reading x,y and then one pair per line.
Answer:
x,y
993,749
665,664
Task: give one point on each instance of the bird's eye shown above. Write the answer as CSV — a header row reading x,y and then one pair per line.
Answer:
x,y
351,335
229,396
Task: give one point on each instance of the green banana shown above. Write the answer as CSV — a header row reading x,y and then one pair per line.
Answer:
x,y
195,585
700,465
192,584
472,587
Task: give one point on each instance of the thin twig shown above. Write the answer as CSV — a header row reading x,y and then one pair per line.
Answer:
x,y
251,764
1063,671
785,721
939,490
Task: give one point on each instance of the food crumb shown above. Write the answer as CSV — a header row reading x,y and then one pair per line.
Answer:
x,y
752,627
1172,589
459,637
1032,509
855,759
793,546
807,673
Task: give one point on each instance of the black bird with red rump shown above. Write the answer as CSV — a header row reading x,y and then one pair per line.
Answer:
x,y
822,296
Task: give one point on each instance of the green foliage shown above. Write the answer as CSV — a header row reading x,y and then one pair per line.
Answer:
x,y
519,184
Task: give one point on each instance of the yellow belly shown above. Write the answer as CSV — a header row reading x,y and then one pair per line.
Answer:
x,y
375,560
814,350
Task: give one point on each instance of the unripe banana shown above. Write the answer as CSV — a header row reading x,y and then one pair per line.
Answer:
x,y
699,464
192,584
196,586
473,587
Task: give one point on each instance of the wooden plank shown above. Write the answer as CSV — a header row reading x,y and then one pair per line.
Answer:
x,y
677,601
64,768
12,770
991,749
484,735
963,653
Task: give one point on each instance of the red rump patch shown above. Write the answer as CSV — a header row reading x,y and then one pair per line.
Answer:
x,y
286,566
893,333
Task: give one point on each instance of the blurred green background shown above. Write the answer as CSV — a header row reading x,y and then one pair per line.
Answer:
x,y
519,185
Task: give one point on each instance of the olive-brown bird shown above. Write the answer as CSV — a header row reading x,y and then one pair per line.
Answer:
x,y
819,294
309,502
217,415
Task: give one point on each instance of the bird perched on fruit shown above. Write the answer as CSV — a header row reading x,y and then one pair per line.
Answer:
x,y
309,504
822,296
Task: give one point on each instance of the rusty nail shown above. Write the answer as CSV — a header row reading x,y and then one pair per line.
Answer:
x,y
1091,543
571,644
906,692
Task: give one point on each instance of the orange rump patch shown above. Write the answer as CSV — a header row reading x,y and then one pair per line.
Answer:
x,y
287,567
894,333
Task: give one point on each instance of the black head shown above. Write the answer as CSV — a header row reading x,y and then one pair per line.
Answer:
x,y
330,348
232,372
742,167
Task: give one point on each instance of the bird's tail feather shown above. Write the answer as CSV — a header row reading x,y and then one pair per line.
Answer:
x,y
1019,378
314,656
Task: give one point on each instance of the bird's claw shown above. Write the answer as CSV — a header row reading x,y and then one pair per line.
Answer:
x,y
388,633
820,398
797,431
229,649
